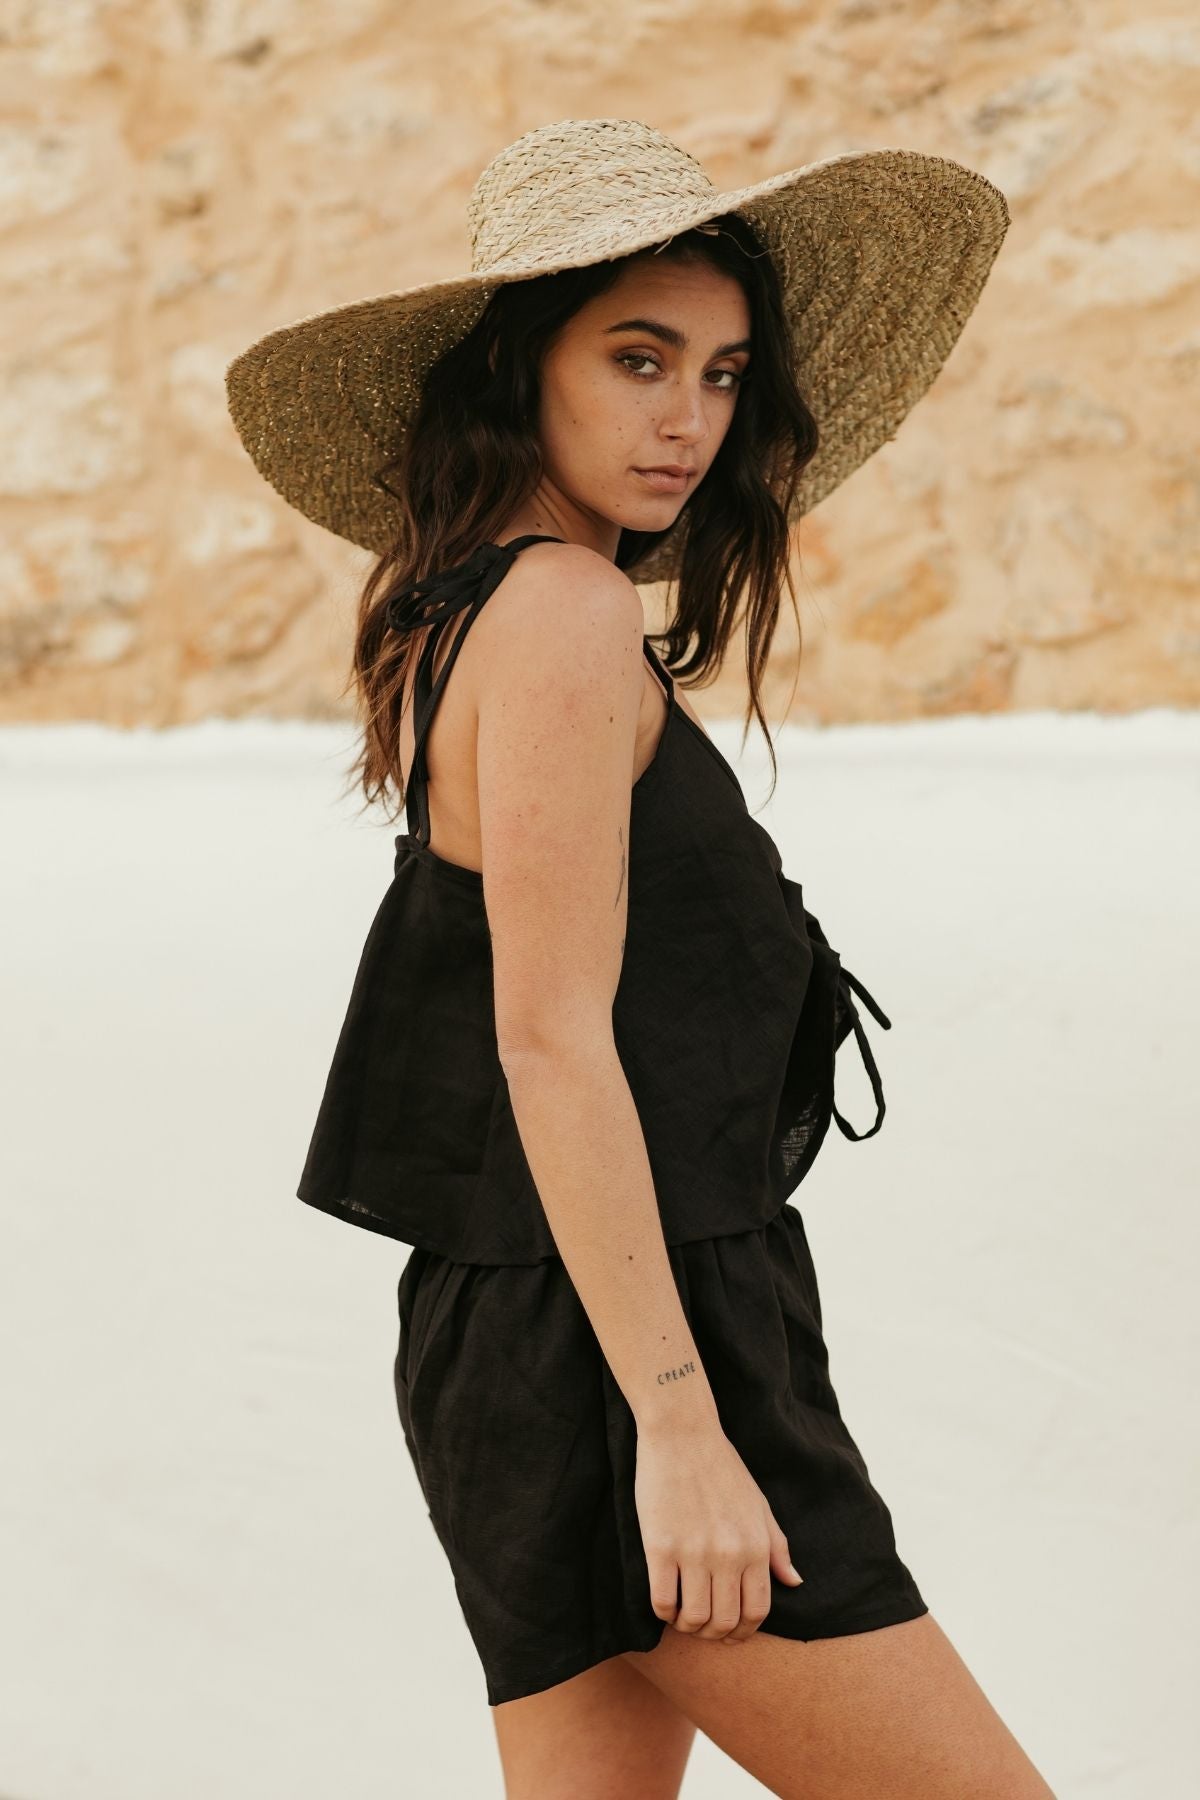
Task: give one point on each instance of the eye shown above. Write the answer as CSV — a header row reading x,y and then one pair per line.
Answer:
x,y
636,356
639,356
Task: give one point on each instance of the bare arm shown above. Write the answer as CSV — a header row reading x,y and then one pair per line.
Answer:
x,y
556,748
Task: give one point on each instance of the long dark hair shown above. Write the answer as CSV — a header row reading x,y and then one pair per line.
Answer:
x,y
471,458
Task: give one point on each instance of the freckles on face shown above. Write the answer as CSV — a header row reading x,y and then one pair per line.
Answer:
x,y
644,375
589,428
584,408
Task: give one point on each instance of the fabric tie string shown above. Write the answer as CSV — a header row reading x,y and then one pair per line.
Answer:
x,y
407,607
846,981
467,584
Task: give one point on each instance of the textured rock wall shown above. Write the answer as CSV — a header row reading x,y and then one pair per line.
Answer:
x,y
179,176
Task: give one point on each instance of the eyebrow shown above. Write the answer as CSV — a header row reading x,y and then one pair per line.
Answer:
x,y
670,335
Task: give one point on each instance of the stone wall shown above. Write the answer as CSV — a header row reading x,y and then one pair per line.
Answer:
x,y
179,176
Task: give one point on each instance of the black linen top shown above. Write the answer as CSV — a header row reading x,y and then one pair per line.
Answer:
x,y
729,1010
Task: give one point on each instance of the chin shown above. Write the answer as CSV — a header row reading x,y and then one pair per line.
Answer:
x,y
657,514
663,522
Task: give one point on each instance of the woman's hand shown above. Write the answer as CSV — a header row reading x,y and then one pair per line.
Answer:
x,y
712,1543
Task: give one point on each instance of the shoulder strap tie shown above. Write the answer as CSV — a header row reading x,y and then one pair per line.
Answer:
x,y
408,606
467,584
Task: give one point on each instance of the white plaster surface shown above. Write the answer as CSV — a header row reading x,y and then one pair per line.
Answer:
x,y
217,1577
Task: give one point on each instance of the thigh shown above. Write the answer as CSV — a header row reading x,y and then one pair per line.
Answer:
x,y
604,1735
890,1714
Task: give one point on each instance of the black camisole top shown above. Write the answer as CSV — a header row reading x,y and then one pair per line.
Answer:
x,y
728,1013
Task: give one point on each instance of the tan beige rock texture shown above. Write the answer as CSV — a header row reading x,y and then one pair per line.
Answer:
x,y
179,176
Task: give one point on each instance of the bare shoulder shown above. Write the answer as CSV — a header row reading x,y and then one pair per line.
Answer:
x,y
559,682
561,602
557,562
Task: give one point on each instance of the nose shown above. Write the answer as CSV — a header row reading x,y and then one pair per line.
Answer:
x,y
685,418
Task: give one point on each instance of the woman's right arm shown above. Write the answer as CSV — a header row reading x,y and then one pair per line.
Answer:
x,y
557,742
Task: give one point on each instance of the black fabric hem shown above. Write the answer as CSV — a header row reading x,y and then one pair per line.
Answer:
x,y
500,1691
897,1611
893,1612
342,1209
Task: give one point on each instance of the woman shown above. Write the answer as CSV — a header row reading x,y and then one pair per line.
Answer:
x,y
589,1050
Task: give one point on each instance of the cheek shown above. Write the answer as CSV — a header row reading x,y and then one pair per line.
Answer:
x,y
590,420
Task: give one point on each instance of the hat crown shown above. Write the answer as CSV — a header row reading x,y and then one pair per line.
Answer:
x,y
579,181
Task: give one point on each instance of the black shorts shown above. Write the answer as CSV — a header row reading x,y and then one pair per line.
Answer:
x,y
524,1448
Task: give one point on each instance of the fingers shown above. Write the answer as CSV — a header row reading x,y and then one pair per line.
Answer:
x,y
695,1586
727,1603
781,1556
726,1614
664,1587
755,1602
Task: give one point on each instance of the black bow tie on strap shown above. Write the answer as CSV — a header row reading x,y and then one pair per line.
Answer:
x,y
467,585
407,607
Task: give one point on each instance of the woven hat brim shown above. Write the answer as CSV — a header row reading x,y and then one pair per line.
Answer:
x,y
881,254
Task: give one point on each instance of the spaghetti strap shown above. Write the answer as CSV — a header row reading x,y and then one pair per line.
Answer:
x,y
435,599
652,657
467,585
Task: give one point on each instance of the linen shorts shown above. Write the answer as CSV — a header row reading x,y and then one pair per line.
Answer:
x,y
525,1448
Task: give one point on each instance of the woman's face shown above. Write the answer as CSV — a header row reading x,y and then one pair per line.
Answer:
x,y
643,376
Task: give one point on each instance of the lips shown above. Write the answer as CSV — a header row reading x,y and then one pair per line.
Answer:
x,y
666,481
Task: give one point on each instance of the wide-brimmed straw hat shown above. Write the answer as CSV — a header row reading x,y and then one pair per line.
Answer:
x,y
881,256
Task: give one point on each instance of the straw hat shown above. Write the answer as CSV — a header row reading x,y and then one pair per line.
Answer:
x,y
881,256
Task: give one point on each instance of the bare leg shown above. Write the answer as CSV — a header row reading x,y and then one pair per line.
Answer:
x,y
892,1714
604,1735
